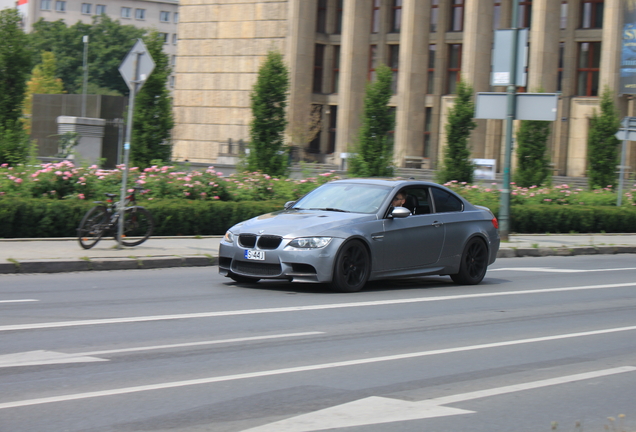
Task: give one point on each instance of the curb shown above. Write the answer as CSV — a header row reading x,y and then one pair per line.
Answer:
x,y
101,264
564,251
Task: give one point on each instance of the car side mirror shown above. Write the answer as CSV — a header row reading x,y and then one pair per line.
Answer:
x,y
400,212
288,204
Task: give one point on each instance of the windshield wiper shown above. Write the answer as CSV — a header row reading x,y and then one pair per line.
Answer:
x,y
331,209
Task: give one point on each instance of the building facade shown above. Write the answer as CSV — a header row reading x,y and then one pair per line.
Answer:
x,y
333,46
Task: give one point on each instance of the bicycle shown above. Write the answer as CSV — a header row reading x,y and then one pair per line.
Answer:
x,y
103,219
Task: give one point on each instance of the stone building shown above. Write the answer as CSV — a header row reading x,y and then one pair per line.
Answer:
x,y
333,46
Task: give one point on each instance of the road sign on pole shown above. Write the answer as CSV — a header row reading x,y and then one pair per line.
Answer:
x,y
136,68
627,132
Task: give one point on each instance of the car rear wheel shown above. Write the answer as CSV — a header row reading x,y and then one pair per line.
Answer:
x,y
473,264
243,279
352,267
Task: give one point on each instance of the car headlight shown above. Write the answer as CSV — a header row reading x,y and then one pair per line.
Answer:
x,y
229,237
309,242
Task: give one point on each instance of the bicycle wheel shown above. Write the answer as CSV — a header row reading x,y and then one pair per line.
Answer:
x,y
92,226
138,226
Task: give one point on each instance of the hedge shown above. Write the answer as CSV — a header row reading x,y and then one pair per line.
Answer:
x,y
35,218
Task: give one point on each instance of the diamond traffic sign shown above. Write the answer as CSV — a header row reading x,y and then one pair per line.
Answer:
x,y
137,66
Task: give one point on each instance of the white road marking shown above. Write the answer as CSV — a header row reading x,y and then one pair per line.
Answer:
x,y
248,375
379,410
40,357
33,358
18,301
103,321
559,270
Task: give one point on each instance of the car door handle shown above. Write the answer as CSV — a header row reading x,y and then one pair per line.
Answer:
x,y
377,237
437,224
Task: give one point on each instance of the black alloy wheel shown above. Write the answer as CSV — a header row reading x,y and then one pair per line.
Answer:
x,y
474,263
352,267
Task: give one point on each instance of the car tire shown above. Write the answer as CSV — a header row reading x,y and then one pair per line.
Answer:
x,y
352,267
243,279
474,263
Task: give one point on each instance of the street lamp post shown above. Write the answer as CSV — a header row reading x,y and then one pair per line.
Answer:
x,y
85,83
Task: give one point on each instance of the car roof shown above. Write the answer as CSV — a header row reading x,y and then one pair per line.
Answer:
x,y
388,182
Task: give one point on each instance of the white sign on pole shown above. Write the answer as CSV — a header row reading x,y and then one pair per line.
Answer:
x,y
137,65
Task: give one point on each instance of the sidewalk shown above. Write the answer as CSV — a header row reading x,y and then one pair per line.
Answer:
x,y
66,255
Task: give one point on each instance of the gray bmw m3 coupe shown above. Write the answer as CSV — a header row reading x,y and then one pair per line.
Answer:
x,y
348,232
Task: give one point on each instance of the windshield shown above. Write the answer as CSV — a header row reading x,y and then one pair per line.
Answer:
x,y
347,197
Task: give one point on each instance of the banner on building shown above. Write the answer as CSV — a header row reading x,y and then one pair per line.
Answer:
x,y
628,49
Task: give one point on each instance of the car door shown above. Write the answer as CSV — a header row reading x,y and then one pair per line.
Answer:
x,y
414,241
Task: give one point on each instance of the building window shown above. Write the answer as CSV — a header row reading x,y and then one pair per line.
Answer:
x,y
164,36
60,6
525,13
373,61
164,16
140,14
430,87
394,64
175,17
560,69
45,4
564,15
434,15
125,12
375,17
100,9
454,67
496,15
338,28
588,70
173,61
457,16
396,16
333,122
335,82
174,39
315,126
592,14
172,81
428,123
86,8
321,17
319,58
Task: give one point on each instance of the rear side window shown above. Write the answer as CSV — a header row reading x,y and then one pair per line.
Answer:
x,y
446,202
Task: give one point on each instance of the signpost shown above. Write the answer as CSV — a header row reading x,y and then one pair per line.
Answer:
x,y
627,132
135,69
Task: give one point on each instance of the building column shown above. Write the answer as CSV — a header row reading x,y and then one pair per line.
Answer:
x,y
300,61
476,58
544,49
356,28
409,132
611,45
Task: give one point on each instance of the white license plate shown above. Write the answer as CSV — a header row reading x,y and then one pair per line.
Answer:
x,y
255,255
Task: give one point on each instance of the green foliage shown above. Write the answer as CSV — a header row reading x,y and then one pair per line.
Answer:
x,y
532,153
269,100
15,65
152,119
374,149
109,43
566,219
457,164
43,81
602,154
14,143
66,143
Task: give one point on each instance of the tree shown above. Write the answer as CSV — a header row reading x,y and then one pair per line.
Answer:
x,y
602,145
374,149
15,65
268,102
43,81
109,43
152,119
456,164
532,159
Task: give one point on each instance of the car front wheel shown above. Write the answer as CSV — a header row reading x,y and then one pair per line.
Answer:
x,y
352,267
474,263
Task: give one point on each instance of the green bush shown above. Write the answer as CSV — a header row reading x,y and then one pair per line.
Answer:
x,y
541,219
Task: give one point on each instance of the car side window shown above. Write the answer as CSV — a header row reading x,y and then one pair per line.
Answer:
x,y
446,202
417,200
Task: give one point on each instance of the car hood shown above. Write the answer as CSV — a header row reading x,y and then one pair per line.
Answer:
x,y
299,223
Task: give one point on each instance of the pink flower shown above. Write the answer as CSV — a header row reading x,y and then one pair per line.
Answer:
x,y
18,180
81,196
216,197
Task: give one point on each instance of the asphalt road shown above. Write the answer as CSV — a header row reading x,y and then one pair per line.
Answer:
x,y
541,340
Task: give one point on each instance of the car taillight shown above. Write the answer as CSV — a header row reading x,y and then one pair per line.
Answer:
x,y
495,223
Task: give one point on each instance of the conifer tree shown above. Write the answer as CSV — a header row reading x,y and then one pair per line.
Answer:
x,y
269,101
456,163
602,145
532,159
374,149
